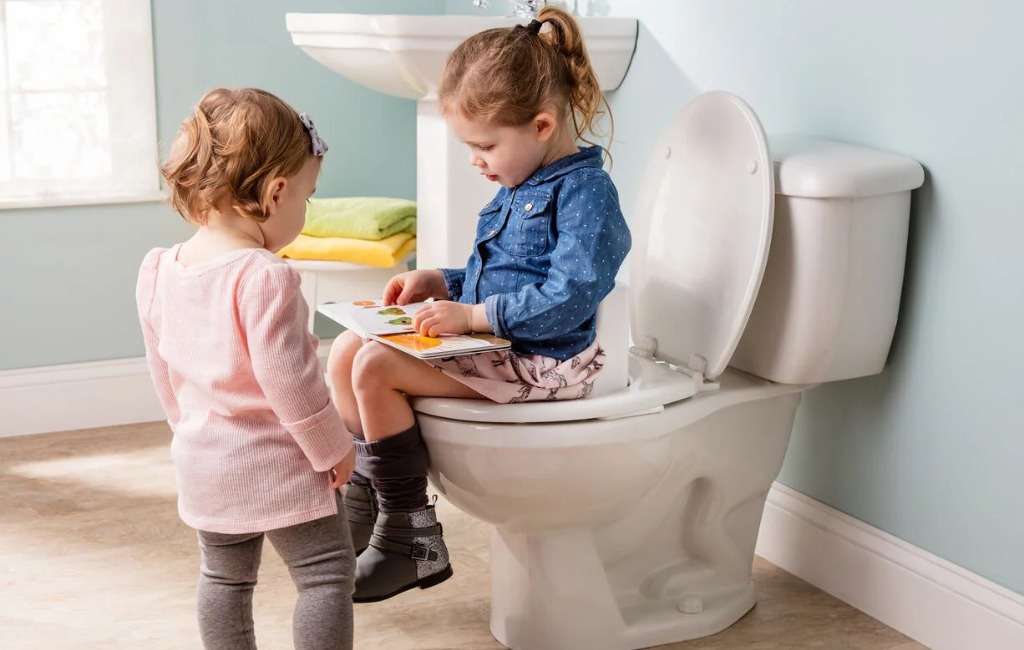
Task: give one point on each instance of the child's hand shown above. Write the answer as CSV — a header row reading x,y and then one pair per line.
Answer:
x,y
343,470
415,286
444,317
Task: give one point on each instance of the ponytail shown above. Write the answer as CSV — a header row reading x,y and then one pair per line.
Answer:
x,y
506,76
586,101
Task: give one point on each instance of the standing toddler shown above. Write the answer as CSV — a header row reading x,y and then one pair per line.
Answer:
x,y
258,448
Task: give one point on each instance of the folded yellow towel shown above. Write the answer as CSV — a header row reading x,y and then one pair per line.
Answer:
x,y
384,253
370,218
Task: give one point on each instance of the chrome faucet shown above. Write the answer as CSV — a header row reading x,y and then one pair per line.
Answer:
x,y
520,8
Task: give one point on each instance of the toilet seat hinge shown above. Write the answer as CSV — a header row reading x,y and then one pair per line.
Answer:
x,y
695,368
647,348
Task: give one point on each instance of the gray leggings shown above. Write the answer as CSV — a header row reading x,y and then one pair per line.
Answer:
x,y
321,561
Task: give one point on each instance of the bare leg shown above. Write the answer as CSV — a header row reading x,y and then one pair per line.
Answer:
x,y
383,376
339,370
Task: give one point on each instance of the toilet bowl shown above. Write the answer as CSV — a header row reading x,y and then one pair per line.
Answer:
x,y
628,519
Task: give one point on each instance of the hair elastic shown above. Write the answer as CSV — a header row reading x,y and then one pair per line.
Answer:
x,y
319,146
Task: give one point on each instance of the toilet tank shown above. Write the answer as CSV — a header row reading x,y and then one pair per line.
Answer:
x,y
830,296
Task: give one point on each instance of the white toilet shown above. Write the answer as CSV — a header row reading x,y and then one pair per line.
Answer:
x,y
628,519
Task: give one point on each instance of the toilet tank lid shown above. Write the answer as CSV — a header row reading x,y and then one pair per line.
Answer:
x,y
816,168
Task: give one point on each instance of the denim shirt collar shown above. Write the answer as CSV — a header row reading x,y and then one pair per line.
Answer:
x,y
585,157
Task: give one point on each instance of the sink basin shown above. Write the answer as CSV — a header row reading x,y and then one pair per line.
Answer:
x,y
403,55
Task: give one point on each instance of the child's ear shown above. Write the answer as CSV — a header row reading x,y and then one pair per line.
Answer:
x,y
274,194
544,126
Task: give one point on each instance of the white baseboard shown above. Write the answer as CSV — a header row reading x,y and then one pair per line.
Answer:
x,y
81,396
77,396
929,599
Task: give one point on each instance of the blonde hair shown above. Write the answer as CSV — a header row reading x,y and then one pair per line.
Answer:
x,y
506,76
230,148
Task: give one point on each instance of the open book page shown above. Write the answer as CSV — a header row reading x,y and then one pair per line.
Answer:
x,y
429,347
365,317
392,325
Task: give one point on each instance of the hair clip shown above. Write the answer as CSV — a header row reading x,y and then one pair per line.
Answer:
x,y
319,146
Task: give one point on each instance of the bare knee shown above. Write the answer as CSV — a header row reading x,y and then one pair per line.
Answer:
x,y
343,351
373,368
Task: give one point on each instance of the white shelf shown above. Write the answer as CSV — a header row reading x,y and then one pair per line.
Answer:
x,y
326,265
325,281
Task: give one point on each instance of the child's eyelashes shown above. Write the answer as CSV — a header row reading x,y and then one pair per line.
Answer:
x,y
483,147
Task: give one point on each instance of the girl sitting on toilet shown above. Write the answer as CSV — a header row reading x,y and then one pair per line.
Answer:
x,y
547,249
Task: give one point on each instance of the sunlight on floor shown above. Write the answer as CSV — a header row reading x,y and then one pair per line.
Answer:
x,y
126,471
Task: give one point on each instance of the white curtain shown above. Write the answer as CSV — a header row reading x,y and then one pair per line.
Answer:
x,y
77,107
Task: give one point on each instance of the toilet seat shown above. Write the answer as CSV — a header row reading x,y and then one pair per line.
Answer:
x,y
481,423
652,385
709,187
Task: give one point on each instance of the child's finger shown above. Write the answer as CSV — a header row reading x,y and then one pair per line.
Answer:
x,y
407,294
393,287
418,317
428,326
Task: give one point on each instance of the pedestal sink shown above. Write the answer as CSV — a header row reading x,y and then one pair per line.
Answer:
x,y
403,56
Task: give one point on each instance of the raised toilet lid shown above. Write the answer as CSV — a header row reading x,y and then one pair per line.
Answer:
x,y
701,232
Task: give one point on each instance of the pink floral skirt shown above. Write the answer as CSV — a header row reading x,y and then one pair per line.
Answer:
x,y
506,377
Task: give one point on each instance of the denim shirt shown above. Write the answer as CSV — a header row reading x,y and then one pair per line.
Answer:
x,y
546,253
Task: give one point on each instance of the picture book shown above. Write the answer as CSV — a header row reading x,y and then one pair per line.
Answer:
x,y
366,317
392,325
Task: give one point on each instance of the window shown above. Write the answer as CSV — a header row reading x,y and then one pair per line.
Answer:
x,y
77,108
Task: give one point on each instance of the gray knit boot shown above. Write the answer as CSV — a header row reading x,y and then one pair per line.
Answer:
x,y
406,550
361,508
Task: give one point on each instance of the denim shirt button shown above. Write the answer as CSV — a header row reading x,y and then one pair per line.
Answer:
x,y
528,207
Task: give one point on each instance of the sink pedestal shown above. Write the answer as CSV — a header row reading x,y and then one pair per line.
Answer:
x,y
449,192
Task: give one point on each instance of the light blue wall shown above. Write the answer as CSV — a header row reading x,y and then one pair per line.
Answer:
x,y
67,275
932,450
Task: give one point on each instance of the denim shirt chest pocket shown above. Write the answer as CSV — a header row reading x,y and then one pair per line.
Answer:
x,y
526,230
489,222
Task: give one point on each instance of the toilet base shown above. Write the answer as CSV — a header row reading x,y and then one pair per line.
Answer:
x,y
620,534
551,592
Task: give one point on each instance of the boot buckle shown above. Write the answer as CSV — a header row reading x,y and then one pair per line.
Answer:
x,y
419,552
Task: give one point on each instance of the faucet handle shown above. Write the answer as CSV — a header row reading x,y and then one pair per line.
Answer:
x,y
525,8
520,8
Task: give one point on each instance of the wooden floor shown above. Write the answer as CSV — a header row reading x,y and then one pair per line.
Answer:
x,y
93,556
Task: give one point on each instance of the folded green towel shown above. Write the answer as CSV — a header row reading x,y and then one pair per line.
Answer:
x,y
359,217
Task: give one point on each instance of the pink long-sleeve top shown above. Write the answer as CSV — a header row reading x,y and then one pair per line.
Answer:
x,y
235,368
